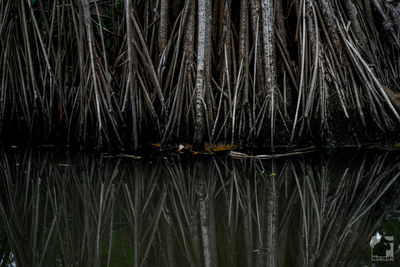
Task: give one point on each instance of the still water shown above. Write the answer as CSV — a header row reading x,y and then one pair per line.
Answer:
x,y
74,209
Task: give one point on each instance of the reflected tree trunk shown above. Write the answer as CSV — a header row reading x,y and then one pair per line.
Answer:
x,y
272,218
204,224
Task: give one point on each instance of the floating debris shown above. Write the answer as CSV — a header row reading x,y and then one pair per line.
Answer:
x,y
219,147
128,156
180,147
63,165
239,155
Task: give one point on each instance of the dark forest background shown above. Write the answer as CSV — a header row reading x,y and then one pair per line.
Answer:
x,y
123,73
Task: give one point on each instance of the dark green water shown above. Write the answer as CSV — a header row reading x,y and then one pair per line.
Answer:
x,y
320,209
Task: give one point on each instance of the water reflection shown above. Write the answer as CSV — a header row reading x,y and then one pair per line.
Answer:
x,y
84,210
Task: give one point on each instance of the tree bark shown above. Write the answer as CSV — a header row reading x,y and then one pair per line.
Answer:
x,y
203,68
131,82
93,61
268,14
163,29
244,46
